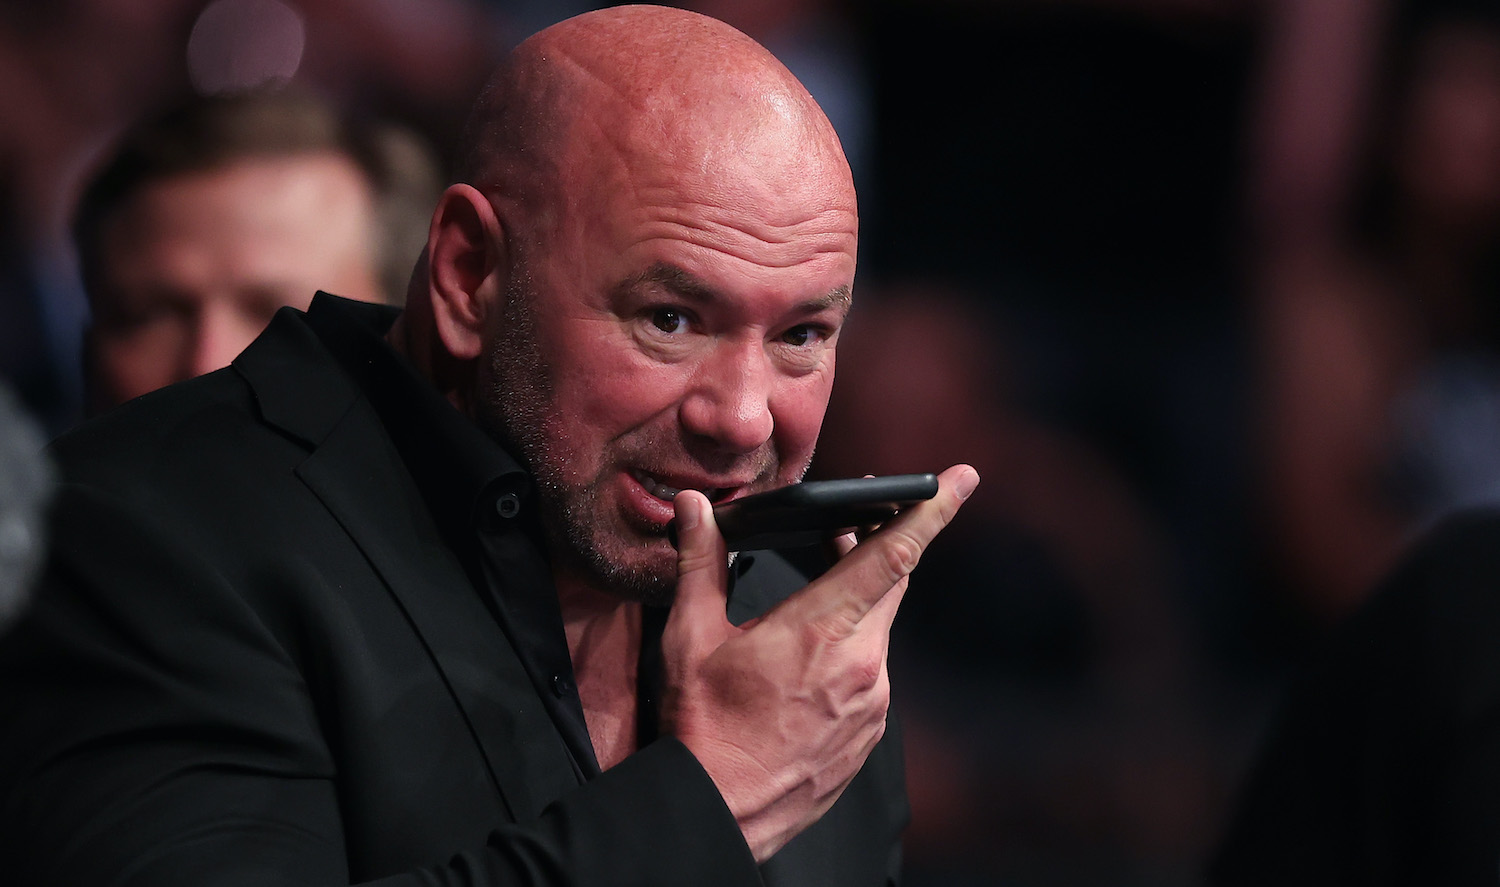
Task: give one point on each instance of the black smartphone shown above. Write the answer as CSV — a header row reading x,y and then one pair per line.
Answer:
x,y
817,510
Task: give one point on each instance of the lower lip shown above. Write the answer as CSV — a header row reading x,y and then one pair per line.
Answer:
x,y
645,506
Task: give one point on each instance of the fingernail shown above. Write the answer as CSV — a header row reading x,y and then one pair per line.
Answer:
x,y
690,516
966,483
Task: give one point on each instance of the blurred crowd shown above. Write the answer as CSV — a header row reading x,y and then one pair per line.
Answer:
x,y
1203,288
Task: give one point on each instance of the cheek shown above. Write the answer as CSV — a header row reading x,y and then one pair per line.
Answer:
x,y
141,360
610,392
798,413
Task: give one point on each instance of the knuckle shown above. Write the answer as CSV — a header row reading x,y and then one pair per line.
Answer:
x,y
695,560
902,552
824,632
691,562
867,670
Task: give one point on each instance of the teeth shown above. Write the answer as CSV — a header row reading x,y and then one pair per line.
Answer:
x,y
657,488
662,491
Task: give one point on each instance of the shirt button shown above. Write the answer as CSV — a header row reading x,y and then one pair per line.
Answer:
x,y
561,686
508,505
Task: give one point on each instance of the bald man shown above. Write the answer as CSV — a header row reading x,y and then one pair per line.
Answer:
x,y
392,598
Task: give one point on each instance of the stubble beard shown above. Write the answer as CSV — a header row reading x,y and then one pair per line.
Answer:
x,y
517,407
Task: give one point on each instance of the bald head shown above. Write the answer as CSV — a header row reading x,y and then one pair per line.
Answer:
x,y
629,85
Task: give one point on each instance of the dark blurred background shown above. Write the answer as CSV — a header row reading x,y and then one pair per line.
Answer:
x,y
1204,288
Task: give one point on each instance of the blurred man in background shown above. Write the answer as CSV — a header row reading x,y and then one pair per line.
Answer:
x,y
208,219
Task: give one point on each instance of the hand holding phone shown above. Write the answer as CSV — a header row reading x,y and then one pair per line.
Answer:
x,y
816,662
814,511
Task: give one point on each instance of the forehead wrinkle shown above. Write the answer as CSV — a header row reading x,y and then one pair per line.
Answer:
x,y
752,217
751,249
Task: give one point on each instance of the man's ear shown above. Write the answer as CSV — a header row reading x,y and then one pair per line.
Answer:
x,y
465,247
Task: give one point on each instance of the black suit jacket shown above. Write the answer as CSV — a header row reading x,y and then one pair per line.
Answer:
x,y
254,661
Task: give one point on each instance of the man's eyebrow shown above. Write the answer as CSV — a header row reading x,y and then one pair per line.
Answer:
x,y
673,278
681,283
840,297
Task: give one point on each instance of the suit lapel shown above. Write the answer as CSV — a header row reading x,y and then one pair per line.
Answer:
x,y
357,474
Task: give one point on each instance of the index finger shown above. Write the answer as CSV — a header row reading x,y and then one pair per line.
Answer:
x,y
867,573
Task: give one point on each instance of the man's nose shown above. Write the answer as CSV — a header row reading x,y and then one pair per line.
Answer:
x,y
730,400
219,335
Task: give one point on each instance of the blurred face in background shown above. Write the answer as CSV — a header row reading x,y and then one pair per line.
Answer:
x,y
1448,155
191,268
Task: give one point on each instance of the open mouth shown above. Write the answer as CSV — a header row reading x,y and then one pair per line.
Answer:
x,y
666,492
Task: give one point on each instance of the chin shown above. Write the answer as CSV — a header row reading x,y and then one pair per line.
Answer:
x,y
632,566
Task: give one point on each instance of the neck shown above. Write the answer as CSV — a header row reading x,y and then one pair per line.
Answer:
x,y
604,642
413,337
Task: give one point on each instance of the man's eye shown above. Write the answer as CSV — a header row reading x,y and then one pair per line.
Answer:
x,y
669,320
121,319
798,336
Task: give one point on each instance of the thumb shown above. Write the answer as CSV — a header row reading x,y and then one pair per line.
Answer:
x,y
698,617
